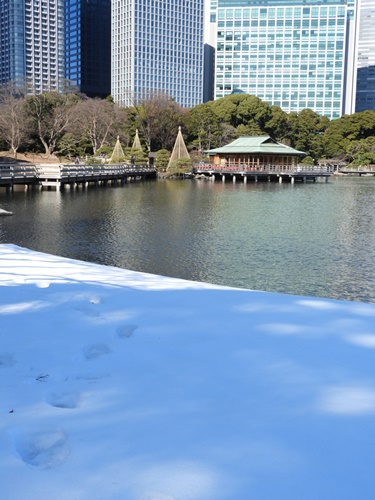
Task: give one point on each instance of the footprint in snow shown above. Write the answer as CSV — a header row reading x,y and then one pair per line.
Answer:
x,y
7,360
64,399
95,351
125,331
44,448
88,311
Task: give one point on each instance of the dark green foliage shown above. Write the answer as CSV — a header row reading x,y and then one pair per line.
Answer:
x,y
180,167
105,151
308,160
68,146
277,125
305,132
182,162
226,108
203,126
342,132
361,152
162,160
135,156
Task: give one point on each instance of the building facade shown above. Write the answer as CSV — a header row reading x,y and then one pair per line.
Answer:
x,y
157,46
12,51
295,54
365,95
88,46
32,44
209,49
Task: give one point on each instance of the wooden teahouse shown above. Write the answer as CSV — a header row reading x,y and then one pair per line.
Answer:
x,y
255,153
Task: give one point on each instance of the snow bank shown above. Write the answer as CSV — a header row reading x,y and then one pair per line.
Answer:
x,y
123,385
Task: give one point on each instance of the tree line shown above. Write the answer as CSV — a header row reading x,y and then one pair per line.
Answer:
x,y
71,124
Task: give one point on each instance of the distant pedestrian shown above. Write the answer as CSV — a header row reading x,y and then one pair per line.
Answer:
x,y
77,161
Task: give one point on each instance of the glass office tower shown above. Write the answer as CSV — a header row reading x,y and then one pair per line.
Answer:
x,y
366,57
88,46
157,46
32,44
291,53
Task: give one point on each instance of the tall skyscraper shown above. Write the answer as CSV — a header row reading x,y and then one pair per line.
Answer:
x,y
157,46
32,44
88,46
292,53
366,56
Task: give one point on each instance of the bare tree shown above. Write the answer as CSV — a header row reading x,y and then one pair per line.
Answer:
x,y
159,118
97,120
15,124
52,113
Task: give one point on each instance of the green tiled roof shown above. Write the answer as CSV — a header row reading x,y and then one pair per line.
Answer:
x,y
263,144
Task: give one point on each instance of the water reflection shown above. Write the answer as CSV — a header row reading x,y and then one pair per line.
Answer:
x,y
303,239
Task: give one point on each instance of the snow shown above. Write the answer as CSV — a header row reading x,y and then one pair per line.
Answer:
x,y
123,385
5,212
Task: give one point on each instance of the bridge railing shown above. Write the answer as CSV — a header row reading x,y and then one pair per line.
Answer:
x,y
369,168
100,169
15,171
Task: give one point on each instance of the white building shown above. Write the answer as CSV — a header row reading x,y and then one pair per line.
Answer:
x,y
366,56
157,46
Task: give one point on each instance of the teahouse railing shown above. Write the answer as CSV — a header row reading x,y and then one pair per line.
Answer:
x,y
245,168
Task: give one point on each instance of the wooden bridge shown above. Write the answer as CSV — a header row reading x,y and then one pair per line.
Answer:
x,y
58,176
279,173
369,170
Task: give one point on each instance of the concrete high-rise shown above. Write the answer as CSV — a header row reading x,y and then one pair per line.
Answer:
x,y
32,44
209,49
157,46
88,46
292,53
365,95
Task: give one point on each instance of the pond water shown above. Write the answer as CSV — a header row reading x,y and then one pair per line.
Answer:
x,y
304,239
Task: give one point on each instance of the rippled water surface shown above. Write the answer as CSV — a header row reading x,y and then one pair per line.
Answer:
x,y
307,239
